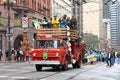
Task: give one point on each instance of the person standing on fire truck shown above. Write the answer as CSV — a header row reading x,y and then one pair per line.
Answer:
x,y
55,22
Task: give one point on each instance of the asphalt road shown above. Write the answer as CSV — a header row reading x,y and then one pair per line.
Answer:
x,y
24,71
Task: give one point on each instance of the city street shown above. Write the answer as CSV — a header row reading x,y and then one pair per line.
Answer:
x,y
24,71
60,34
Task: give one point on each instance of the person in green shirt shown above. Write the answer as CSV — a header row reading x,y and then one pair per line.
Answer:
x,y
33,21
40,23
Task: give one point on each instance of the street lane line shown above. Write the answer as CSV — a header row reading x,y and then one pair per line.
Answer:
x,y
18,77
3,76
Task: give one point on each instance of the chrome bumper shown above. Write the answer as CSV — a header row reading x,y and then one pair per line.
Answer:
x,y
45,62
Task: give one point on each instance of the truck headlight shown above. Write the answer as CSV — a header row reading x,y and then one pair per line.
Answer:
x,y
34,54
57,54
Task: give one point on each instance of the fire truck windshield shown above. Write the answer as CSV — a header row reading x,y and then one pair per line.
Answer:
x,y
48,43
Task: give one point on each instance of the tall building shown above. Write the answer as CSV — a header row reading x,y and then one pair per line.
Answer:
x,y
19,9
114,24
106,23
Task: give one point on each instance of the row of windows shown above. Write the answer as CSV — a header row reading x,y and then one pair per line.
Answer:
x,y
34,4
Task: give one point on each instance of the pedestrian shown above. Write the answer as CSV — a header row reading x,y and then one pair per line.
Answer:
x,y
113,56
27,56
100,56
85,58
7,54
0,54
118,57
13,55
18,56
21,53
108,58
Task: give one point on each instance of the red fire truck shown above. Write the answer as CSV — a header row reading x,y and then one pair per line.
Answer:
x,y
57,48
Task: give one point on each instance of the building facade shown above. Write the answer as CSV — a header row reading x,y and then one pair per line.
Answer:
x,y
93,20
61,7
77,11
106,22
19,9
114,24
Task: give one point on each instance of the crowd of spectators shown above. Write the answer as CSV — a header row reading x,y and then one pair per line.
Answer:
x,y
110,56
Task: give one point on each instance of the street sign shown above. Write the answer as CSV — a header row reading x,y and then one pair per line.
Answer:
x,y
25,22
9,34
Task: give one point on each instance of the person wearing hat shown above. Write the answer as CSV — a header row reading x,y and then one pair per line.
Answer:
x,y
45,22
55,22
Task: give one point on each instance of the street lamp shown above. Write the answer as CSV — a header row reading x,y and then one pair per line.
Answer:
x,y
8,4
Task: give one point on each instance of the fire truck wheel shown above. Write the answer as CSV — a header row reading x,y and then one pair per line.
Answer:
x,y
38,67
74,65
65,66
78,63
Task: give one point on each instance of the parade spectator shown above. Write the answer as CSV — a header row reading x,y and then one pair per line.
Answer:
x,y
100,56
17,55
113,56
21,53
85,58
8,55
108,58
0,54
118,57
55,22
27,56
63,21
103,53
12,54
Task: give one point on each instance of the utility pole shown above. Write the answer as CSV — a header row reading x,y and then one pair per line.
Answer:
x,y
8,4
